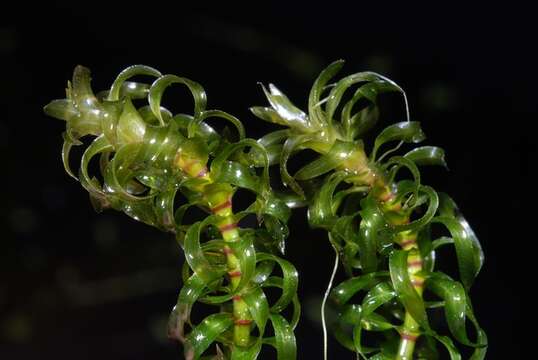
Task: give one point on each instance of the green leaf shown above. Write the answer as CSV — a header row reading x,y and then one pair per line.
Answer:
x,y
456,307
433,203
321,212
282,111
99,145
203,335
131,127
372,224
352,124
196,257
407,294
237,174
290,279
467,255
449,345
220,159
449,208
246,255
342,293
126,74
427,155
406,131
314,108
284,343
290,146
192,128
191,291
341,86
157,90
377,296
66,150
258,308
339,152
61,109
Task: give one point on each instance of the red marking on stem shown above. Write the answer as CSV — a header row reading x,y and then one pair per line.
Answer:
x,y
409,337
242,322
408,242
414,263
222,206
417,282
227,251
236,297
227,227
387,197
234,273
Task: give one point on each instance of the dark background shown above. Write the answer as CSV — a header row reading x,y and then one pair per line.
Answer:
x,y
76,284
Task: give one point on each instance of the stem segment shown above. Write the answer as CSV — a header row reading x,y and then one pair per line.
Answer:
x,y
396,215
219,200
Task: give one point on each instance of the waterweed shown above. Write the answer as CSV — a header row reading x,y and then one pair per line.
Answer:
x,y
147,156
372,219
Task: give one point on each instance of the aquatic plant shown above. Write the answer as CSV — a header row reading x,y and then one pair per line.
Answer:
x,y
147,156
382,226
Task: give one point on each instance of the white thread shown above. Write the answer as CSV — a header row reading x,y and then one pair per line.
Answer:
x,y
324,325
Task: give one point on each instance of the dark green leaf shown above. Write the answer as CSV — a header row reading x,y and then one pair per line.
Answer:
x,y
427,155
314,106
407,294
157,90
406,131
203,335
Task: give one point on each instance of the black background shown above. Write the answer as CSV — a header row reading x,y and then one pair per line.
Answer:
x,y
76,284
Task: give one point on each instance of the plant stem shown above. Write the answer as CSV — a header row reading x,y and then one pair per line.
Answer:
x,y
407,240
219,200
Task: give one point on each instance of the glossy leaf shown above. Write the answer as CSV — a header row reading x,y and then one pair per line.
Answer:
x,y
196,257
412,302
157,89
205,333
427,155
126,74
290,146
284,343
314,109
290,281
282,111
341,86
455,306
407,131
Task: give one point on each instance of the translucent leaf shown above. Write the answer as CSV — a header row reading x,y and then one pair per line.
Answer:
x,y
203,335
159,86
196,257
456,307
284,343
314,109
192,128
427,155
341,86
290,146
407,294
407,131
126,74
289,281
449,208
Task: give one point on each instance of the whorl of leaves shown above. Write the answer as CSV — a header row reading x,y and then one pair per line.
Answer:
x,y
138,174
364,229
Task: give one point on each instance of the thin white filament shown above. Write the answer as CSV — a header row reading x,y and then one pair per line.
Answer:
x,y
407,113
327,292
